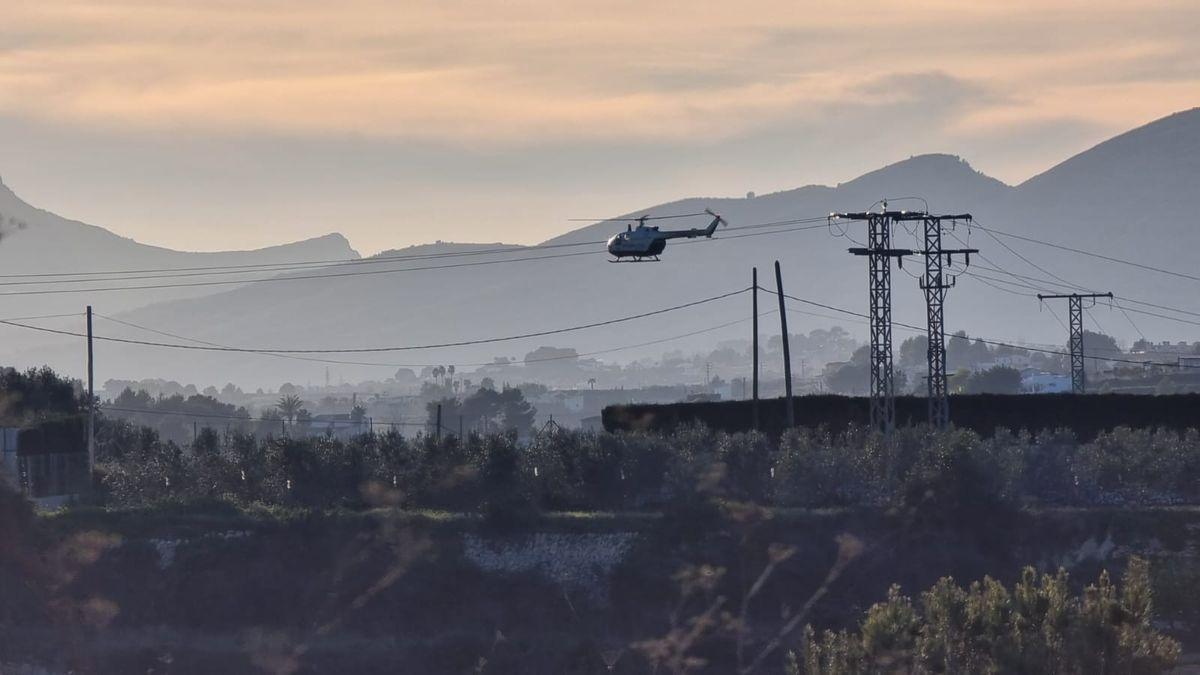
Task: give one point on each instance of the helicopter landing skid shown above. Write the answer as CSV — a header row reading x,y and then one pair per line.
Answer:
x,y
636,260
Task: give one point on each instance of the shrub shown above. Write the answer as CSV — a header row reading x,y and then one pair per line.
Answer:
x,y
1037,627
505,499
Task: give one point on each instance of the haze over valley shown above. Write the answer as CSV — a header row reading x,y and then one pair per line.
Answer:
x,y
1129,197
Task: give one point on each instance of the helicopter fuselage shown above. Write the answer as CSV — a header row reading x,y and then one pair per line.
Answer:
x,y
641,242
647,241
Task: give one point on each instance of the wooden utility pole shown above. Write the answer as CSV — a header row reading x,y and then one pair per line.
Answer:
x,y
91,439
754,295
438,431
787,352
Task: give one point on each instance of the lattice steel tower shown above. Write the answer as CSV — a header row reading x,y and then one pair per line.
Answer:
x,y
1075,309
935,283
879,253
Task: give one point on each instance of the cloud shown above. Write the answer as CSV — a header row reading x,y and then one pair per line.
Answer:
x,y
496,119
525,72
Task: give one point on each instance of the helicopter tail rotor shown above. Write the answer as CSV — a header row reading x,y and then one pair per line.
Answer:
x,y
717,220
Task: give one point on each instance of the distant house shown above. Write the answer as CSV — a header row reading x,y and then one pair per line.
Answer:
x,y
1189,361
48,463
1037,382
1152,350
338,425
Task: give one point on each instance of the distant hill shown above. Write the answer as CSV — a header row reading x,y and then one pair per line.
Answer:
x,y
1137,188
34,241
1132,196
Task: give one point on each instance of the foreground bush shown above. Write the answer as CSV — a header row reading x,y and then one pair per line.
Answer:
x,y
1037,627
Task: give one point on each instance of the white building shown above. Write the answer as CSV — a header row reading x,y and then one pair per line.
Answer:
x,y
1045,383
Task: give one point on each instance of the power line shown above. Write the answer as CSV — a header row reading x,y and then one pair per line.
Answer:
x,y
44,316
300,264
1129,318
271,268
152,273
482,363
1027,261
840,310
359,350
1063,283
993,342
1093,254
334,275
1021,277
366,272
1117,297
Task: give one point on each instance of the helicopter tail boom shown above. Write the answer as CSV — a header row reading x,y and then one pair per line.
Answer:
x,y
695,231
712,227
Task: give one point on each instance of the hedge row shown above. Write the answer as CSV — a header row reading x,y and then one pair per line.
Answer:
x,y
1085,415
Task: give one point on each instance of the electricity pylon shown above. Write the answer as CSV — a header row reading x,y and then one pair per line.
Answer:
x,y
1075,309
935,284
879,253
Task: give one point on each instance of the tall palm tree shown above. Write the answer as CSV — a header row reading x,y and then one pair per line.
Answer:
x,y
289,406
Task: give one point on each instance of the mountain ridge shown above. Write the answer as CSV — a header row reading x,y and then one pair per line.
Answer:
x,y
398,306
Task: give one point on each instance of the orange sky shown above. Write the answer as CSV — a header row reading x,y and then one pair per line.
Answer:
x,y
300,117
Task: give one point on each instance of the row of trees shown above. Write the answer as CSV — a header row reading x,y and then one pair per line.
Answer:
x,y
484,410
954,472
972,362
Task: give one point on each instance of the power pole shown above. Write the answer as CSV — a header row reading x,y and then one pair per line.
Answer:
x,y
91,439
879,253
438,431
787,354
754,295
1075,307
935,284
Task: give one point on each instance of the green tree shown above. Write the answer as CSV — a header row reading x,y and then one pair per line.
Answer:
x,y
995,380
914,352
518,414
853,377
289,406
452,409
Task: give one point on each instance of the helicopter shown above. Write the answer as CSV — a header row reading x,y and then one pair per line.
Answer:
x,y
647,241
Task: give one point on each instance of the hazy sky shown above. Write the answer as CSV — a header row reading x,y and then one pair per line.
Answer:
x,y
210,124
